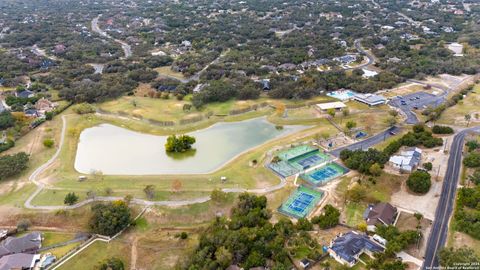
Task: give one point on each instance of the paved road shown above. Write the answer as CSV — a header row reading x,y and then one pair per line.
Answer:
x,y
361,50
439,232
127,49
369,142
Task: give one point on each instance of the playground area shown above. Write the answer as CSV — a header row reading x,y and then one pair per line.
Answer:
x,y
297,159
301,202
324,174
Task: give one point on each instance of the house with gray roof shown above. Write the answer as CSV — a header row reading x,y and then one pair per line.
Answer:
x,y
19,261
347,248
370,99
406,161
28,243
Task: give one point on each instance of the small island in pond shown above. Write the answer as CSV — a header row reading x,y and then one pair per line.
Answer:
x,y
179,144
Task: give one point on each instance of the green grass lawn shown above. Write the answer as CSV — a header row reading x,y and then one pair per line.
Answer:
x,y
96,253
354,213
52,238
455,115
169,72
59,252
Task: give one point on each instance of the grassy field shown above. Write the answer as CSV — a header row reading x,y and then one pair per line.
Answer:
x,y
167,71
470,105
354,213
98,252
239,172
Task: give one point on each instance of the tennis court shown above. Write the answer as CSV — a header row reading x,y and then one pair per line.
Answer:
x,y
301,202
308,160
324,174
297,159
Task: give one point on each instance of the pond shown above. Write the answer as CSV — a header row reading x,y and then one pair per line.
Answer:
x,y
113,150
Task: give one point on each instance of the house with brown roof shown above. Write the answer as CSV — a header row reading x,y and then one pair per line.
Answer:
x,y
379,214
44,105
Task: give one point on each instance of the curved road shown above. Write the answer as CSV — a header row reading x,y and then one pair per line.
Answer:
x,y
439,232
127,49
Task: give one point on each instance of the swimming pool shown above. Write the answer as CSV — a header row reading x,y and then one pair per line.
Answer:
x,y
342,95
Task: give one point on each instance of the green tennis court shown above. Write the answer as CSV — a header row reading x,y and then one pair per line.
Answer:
x,y
297,159
326,173
301,202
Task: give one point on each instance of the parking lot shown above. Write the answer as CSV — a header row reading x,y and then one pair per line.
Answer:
x,y
416,101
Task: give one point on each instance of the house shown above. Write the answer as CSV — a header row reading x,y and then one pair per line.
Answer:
x,y
346,59
2,108
347,248
19,261
370,99
30,242
25,94
31,113
266,85
305,263
287,66
234,267
379,214
337,105
44,105
407,160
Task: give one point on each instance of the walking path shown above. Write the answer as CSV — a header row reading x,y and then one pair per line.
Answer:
x,y
41,186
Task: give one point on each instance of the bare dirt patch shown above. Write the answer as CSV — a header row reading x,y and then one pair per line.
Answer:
x,y
407,221
424,204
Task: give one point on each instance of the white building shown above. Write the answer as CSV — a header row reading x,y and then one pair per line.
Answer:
x,y
407,160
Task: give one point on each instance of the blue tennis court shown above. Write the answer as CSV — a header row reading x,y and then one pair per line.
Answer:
x,y
324,174
301,202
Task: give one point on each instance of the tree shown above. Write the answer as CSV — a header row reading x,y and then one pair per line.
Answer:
x,y
391,121
428,166
362,226
23,225
331,112
419,182
450,257
71,198
176,185
345,112
219,196
475,177
149,191
179,144
111,264
472,160
224,257
375,169
328,219
304,224
11,165
108,219
350,124
48,143
468,117
6,120
472,145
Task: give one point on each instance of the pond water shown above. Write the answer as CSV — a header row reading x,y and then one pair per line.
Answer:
x,y
118,151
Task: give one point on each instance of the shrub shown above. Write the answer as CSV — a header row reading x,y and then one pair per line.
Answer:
x,y
419,182
328,219
428,166
442,130
71,198
23,225
48,143
6,145
84,108
472,160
